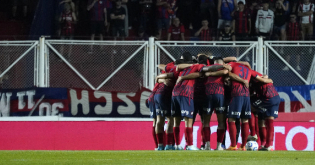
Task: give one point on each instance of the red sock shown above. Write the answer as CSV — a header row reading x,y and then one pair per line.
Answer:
x,y
169,138
160,138
207,133
202,137
251,123
176,135
257,129
154,137
244,129
189,131
232,131
270,132
262,135
220,135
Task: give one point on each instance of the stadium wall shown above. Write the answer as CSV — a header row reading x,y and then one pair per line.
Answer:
x,y
126,135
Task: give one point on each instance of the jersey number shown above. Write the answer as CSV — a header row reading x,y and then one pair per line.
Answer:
x,y
244,71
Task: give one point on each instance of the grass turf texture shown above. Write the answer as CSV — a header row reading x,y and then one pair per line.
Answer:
x,y
157,157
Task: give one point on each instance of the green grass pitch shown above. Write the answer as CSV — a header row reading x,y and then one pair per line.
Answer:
x,y
158,157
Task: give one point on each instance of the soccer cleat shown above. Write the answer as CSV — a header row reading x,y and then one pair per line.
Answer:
x,y
207,146
270,148
178,147
252,138
202,147
160,148
242,149
169,147
193,148
232,148
219,147
155,149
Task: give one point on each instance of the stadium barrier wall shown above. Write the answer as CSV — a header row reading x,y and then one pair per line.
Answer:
x,y
126,135
74,102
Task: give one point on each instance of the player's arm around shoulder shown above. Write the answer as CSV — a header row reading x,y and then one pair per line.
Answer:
x,y
183,66
264,80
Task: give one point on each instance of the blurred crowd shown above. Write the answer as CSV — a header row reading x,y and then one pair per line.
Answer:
x,y
204,20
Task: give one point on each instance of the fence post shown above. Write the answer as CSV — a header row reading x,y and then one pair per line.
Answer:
x,y
151,63
41,72
260,54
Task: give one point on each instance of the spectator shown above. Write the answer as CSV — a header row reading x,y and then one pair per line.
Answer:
x,y
227,34
253,9
225,9
306,13
293,34
280,21
241,22
98,13
63,2
205,33
16,3
187,12
162,17
67,19
264,21
124,5
172,9
118,20
295,5
208,11
145,12
176,31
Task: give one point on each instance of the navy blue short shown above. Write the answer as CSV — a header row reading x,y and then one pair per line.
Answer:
x,y
182,106
267,107
239,107
198,105
152,109
214,102
162,105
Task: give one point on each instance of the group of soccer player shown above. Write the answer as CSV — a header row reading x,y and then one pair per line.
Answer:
x,y
204,84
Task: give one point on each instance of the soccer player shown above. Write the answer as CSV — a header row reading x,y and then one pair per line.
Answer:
x,y
214,100
267,103
162,100
239,106
181,85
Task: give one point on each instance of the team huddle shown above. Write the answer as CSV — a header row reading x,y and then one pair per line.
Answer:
x,y
191,85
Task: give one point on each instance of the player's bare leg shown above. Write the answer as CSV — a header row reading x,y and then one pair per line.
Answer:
x,y
232,131
176,131
169,133
159,130
189,133
244,132
220,130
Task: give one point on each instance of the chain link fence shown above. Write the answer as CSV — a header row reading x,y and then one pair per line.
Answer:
x,y
168,51
107,65
17,63
289,63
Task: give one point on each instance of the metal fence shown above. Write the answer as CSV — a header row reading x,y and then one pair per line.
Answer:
x,y
128,65
98,65
18,64
290,63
